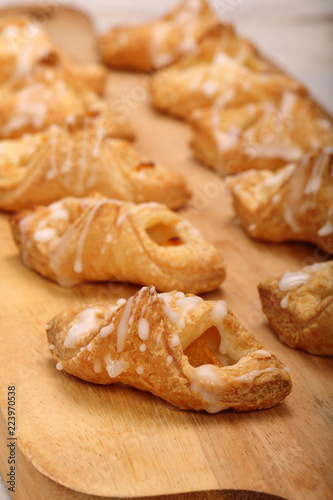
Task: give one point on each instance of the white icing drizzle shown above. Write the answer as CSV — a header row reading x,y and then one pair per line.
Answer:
x,y
123,325
172,315
143,347
44,235
97,366
326,229
315,180
140,370
115,367
285,301
106,330
175,340
59,366
136,304
87,320
51,347
169,360
251,376
187,304
78,265
293,280
143,329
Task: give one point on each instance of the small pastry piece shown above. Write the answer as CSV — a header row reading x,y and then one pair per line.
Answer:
x,y
28,55
193,354
38,106
261,136
299,305
293,204
76,160
224,82
98,239
159,43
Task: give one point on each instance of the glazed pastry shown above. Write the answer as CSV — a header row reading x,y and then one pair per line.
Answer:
x,y
299,306
38,106
191,353
224,82
98,239
293,204
28,55
260,136
159,43
76,160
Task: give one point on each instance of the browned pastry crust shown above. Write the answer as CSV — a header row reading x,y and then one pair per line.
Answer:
x,y
73,161
191,353
293,204
226,72
28,55
38,106
299,305
261,136
158,43
98,239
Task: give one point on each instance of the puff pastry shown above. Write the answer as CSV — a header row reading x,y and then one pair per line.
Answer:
x,y
299,305
160,42
38,106
224,82
293,204
191,353
262,135
98,239
76,160
28,55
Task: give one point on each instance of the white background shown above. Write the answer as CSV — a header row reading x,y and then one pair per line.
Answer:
x,y
297,34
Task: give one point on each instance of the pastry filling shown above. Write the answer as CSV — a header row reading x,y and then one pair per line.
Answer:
x,y
164,235
144,165
205,350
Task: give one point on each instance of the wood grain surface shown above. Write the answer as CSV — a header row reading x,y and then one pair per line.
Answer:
x,y
79,441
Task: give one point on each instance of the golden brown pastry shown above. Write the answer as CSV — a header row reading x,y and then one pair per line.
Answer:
x,y
98,239
38,106
28,55
191,353
76,160
299,305
224,82
293,204
261,136
161,42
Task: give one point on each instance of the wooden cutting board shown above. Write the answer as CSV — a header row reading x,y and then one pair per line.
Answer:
x,y
79,441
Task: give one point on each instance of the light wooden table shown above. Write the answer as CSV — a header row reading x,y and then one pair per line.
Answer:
x,y
296,34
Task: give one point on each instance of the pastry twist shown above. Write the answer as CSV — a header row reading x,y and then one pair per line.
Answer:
x,y
28,55
191,353
293,204
224,83
38,106
76,160
260,136
299,305
98,239
158,43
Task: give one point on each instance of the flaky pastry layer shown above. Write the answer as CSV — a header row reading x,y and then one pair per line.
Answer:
x,y
98,239
76,160
28,56
36,107
227,72
161,42
191,353
260,136
299,306
293,204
